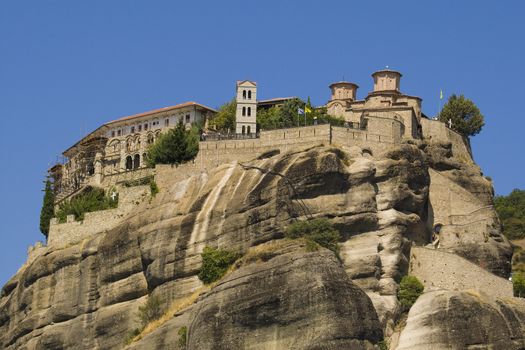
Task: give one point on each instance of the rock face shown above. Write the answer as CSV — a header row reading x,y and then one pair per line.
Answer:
x,y
295,300
85,295
463,320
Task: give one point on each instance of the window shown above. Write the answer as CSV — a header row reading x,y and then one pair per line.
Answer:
x,y
146,126
167,122
132,129
243,129
113,133
249,94
119,132
249,111
244,94
248,130
129,163
136,161
140,127
187,118
150,139
243,111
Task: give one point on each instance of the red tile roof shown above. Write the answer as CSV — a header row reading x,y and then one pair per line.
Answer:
x,y
164,109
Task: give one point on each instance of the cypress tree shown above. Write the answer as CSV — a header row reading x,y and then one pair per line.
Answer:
x,y
48,210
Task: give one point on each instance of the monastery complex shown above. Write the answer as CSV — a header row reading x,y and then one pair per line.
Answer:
x,y
115,152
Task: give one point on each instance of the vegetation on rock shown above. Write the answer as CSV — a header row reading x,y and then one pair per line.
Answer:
x,y
176,146
91,199
183,336
518,284
150,311
511,211
410,288
48,208
320,231
464,114
215,263
154,189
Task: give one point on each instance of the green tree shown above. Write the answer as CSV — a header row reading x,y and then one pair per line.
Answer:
x,y
224,120
48,208
464,114
176,146
410,288
511,211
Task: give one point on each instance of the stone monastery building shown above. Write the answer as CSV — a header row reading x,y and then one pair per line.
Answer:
x,y
115,152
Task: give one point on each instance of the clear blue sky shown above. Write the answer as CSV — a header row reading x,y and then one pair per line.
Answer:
x,y
68,66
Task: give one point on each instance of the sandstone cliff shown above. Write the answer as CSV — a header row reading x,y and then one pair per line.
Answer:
x,y
85,295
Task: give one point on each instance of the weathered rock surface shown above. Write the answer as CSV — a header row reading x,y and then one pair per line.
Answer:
x,y
289,298
463,320
85,296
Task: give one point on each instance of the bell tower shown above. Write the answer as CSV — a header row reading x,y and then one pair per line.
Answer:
x,y
246,113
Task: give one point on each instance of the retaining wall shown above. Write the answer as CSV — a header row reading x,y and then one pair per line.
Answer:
x,y
439,269
95,222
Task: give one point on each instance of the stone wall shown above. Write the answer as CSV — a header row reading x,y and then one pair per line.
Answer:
x,y
434,130
95,222
437,269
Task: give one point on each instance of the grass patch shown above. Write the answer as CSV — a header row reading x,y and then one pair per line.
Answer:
x,y
320,231
410,288
215,263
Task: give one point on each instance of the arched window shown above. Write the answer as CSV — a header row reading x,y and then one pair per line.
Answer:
x,y
243,129
249,111
248,130
243,93
129,163
249,94
136,161
150,139
243,111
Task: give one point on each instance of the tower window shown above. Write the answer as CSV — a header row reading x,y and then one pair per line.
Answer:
x,y
249,111
249,94
243,129
243,111
248,130
243,93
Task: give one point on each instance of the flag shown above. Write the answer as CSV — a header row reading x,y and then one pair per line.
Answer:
x,y
300,111
441,94
307,109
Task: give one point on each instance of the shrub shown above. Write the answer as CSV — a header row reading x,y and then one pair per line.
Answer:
x,y
183,336
153,187
131,335
410,289
383,345
320,231
518,284
150,311
215,263
91,199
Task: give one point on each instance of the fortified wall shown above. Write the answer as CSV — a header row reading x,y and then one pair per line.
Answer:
x,y
61,234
